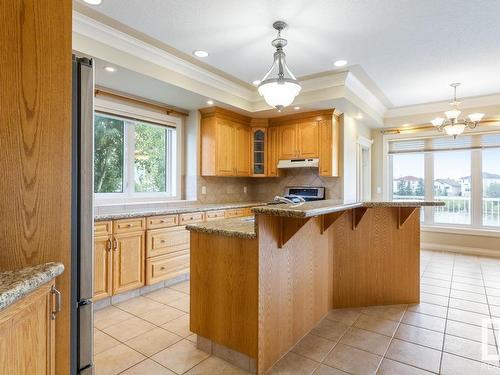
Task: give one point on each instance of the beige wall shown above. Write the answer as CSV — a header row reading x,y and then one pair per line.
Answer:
x,y
461,242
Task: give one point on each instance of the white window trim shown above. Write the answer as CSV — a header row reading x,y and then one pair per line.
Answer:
x,y
363,143
428,224
122,111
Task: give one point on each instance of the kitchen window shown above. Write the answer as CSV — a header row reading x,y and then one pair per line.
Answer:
x,y
462,172
133,159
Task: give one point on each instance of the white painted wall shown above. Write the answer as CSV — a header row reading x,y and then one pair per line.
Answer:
x,y
350,130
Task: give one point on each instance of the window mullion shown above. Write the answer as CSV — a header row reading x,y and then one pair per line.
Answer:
x,y
429,186
130,158
476,188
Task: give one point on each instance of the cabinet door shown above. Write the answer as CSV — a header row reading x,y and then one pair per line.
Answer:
x,y
225,148
102,267
242,136
128,262
27,337
272,151
288,141
308,139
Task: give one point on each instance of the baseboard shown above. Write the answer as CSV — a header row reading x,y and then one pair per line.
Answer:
x,y
461,249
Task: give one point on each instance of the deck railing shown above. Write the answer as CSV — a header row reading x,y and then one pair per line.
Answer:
x,y
457,210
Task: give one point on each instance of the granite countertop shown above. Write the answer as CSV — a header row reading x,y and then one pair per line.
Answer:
x,y
126,212
242,227
16,284
316,208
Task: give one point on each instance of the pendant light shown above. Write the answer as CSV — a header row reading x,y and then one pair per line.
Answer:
x,y
279,87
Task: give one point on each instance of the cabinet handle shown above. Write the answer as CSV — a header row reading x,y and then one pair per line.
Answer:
x,y
162,267
108,245
57,307
115,244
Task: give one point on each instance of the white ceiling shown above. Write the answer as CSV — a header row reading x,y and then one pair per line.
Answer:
x,y
410,49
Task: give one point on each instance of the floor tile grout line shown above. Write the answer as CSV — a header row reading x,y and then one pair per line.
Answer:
x,y
390,342
446,320
495,335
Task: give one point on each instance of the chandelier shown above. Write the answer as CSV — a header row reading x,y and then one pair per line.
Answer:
x,y
453,125
279,87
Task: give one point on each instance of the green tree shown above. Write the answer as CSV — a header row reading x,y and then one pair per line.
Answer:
x,y
150,158
108,155
493,191
401,187
419,191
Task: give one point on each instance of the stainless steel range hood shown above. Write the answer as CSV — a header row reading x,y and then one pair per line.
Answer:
x,y
299,163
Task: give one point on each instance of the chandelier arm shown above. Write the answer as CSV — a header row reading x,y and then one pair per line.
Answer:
x,y
270,70
288,71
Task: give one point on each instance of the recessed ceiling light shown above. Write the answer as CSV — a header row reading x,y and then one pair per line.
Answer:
x,y
200,53
296,108
256,82
210,102
110,69
93,2
340,63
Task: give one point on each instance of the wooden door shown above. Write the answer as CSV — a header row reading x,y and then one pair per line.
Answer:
x,y
27,335
103,267
272,152
225,148
288,141
242,135
128,261
308,139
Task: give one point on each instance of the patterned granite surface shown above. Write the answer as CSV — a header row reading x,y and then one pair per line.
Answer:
x,y
16,284
316,208
125,212
242,227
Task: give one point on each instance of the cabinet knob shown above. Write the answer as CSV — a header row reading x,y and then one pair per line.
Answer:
x,y
162,267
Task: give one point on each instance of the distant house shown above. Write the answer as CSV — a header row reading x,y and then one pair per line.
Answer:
x,y
488,180
448,187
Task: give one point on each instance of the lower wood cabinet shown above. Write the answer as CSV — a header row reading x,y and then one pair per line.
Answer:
x,y
103,267
119,256
128,261
167,266
27,335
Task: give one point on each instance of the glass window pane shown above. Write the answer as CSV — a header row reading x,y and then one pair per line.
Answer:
x,y
408,176
108,154
491,187
452,184
150,158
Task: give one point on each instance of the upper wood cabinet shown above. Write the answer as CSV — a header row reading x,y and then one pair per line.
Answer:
x,y
329,147
225,143
288,145
308,139
272,151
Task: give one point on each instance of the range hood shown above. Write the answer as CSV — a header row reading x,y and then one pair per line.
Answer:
x,y
299,163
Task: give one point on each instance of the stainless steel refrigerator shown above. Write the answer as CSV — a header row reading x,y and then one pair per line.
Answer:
x,y
82,261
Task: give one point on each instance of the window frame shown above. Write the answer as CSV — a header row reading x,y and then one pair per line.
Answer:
x,y
476,205
132,115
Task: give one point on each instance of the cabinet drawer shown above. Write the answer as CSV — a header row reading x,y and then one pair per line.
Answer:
x,y
155,222
214,215
167,266
237,212
102,228
194,217
164,241
129,225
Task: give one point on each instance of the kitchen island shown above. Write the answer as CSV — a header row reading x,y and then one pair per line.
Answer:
x,y
258,287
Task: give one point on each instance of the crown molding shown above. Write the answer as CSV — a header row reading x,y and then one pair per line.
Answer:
x,y
105,34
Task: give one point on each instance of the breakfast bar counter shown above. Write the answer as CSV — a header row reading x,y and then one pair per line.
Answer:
x,y
257,293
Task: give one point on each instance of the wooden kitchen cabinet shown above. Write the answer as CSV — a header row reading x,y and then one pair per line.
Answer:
x,y
308,139
288,148
103,267
225,143
329,148
272,152
27,335
128,261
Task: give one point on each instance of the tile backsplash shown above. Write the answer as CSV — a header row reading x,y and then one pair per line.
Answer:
x,y
231,189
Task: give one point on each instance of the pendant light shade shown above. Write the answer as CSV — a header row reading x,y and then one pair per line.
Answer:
x,y
279,87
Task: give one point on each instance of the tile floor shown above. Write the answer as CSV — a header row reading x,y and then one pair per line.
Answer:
x,y
150,334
